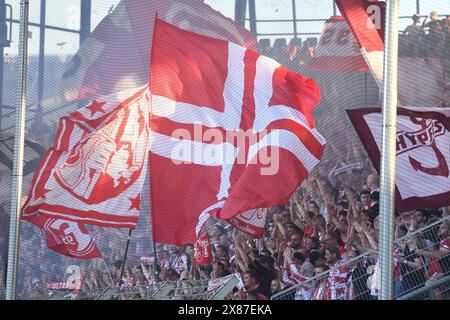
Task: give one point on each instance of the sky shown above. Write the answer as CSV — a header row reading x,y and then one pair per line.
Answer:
x,y
66,13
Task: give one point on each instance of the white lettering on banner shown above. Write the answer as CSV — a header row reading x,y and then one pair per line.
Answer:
x,y
337,40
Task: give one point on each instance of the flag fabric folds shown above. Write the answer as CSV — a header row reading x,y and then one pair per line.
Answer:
x,y
231,131
366,20
337,49
251,222
116,54
202,250
93,173
114,58
423,153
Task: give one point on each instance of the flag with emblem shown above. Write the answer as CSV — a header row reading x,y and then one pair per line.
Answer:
x,y
423,153
251,222
95,170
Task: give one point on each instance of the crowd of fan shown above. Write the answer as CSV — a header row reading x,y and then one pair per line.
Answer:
x,y
430,38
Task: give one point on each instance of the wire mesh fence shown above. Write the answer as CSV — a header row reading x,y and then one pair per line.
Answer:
x,y
167,290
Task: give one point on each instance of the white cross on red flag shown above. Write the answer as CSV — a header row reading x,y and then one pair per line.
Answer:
x,y
231,131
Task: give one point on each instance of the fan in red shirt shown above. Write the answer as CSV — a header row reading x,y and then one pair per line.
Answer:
x,y
338,278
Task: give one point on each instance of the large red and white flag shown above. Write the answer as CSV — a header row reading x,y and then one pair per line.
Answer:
x,y
366,19
337,49
95,170
423,153
231,131
66,237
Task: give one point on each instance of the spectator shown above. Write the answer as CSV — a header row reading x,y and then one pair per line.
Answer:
x,y
275,286
317,258
442,254
412,265
365,199
332,242
221,252
358,276
219,270
291,272
307,283
373,182
337,279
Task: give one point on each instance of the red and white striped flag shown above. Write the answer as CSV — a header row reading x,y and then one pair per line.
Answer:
x,y
231,131
116,55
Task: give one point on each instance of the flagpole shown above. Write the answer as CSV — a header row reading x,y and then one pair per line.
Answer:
x,y
388,146
125,257
17,175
